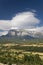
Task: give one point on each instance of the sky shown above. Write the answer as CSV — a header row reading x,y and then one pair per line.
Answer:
x,y
21,14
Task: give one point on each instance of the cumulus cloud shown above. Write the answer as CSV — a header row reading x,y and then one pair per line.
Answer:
x,y
23,20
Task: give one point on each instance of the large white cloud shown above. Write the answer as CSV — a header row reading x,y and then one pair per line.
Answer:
x,y
22,20
25,20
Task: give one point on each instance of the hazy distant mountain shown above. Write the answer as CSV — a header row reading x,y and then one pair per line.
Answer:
x,y
15,33
19,33
18,36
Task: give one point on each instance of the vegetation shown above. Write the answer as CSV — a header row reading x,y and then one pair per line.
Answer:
x,y
21,52
11,53
24,60
20,40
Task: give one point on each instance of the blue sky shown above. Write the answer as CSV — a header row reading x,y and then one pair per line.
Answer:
x,y
21,14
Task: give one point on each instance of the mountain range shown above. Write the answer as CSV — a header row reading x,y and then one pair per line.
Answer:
x,y
23,33
20,35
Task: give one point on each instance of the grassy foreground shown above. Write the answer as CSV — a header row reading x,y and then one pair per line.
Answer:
x,y
21,54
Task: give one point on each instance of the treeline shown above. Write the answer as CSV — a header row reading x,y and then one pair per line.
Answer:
x,y
28,48
24,48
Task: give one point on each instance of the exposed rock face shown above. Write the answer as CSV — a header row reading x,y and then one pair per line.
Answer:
x,y
12,32
16,32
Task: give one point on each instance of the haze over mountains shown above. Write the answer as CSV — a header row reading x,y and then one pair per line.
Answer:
x,y
24,33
